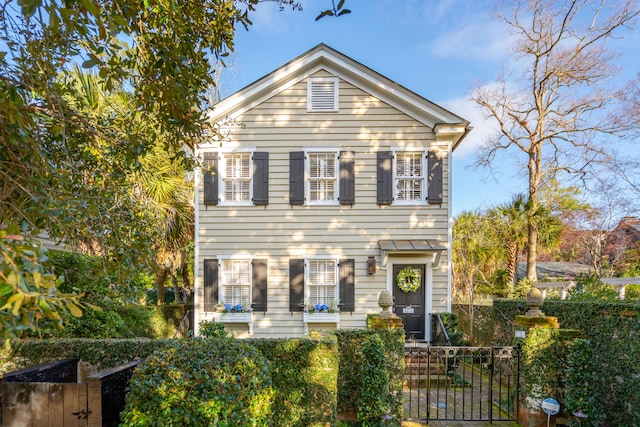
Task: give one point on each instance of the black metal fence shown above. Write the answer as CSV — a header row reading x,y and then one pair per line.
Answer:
x,y
461,383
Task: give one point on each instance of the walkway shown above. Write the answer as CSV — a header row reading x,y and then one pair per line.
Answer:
x,y
462,424
472,402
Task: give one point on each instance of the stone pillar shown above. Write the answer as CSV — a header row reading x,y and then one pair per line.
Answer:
x,y
386,319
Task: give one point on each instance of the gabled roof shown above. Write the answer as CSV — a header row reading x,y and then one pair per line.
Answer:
x,y
323,57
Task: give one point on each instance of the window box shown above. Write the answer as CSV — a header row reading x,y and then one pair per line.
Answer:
x,y
320,318
236,318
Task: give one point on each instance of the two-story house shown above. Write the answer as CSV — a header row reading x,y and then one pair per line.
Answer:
x,y
328,183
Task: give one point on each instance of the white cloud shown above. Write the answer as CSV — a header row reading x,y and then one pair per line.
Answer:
x,y
482,128
268,18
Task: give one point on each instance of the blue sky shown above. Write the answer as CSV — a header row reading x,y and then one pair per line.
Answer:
x,y
438,49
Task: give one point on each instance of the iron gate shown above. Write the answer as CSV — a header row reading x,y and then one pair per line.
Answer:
x,y
461,383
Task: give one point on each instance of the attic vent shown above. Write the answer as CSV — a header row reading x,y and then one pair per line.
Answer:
x,y
322,94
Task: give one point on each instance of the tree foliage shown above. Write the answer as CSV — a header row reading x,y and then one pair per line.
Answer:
x,y
28,293
556,113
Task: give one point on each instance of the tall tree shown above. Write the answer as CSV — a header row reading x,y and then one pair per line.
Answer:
x,y
553,112
510,224
475,256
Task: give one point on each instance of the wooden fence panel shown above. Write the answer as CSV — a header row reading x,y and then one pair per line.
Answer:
x,y
44,405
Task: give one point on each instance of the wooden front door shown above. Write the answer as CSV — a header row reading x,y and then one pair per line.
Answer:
x,y
409,306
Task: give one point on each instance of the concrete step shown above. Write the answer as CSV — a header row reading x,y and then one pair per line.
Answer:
x,y
432,380
421,369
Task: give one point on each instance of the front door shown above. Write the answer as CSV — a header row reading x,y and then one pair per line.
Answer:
x,y
409,306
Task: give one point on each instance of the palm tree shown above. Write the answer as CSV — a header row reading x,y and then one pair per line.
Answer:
x,y
157,187
511,224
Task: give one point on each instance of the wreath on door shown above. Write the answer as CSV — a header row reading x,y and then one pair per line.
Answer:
x,y
409,279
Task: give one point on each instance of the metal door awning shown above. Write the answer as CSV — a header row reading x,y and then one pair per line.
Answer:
x,y
410,247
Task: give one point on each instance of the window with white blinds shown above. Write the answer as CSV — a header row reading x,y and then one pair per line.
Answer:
x,y
322,94
409,177
236,281
236,177
322,280
322,177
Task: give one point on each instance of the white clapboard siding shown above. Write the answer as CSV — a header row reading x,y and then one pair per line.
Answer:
x,y
278,231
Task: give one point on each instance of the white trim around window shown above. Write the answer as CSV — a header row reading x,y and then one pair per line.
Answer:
x,y
235,279
322,176
236,177
410,176
321,279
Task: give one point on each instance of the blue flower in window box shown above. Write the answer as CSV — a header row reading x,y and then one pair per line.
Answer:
x,y
233,308
321,308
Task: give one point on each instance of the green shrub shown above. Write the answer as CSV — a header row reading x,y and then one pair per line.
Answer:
x,y
612,328
90,275
200,382
632,292
373,399
350,386
304,373
211,329
95,324
582,378
590,288
100,353
452,326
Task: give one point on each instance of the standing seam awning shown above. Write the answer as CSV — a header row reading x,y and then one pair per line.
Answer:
x,y
410,247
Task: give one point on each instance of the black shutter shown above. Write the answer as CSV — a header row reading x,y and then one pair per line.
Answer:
x,y
347,285
435,178
347,178
210,180
296,178
296,285
259,285
210,284
260,178
385,177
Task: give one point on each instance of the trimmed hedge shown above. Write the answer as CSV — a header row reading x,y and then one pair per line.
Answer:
x,y
202,382
612,337
315,381
100,353
304,375
358,403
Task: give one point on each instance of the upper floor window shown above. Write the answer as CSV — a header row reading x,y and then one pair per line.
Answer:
x,y
409,177
322,178
236,178
322,94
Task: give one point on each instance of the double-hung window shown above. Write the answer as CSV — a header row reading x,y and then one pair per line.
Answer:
x,y
235,281
322,281
322,177
236,177
409,177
